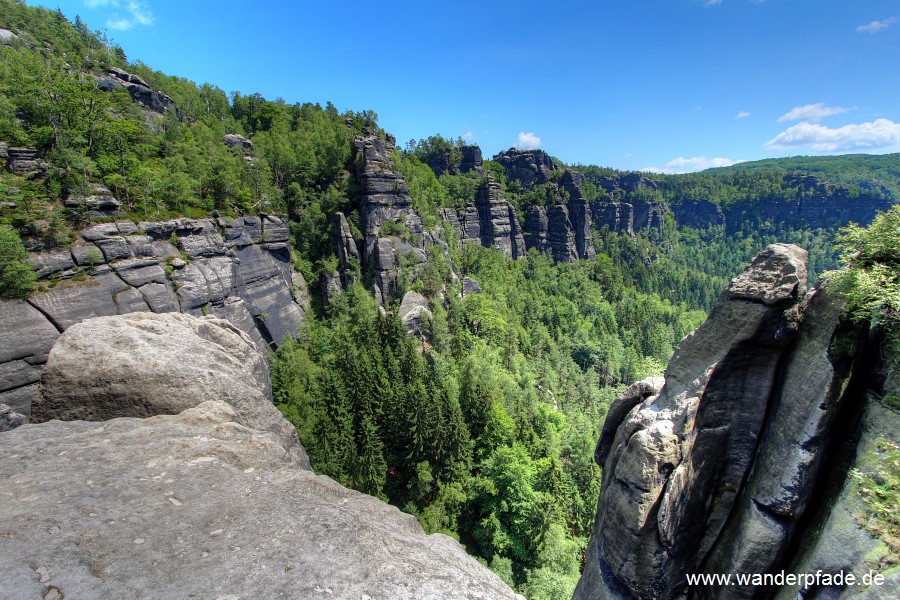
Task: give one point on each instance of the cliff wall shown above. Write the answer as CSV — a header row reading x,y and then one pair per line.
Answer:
x,y
236,269
734,464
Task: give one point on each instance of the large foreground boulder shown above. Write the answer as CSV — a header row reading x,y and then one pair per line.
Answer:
x,y
146,364
197,505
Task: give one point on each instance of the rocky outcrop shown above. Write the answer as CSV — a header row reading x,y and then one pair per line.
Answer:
x,y
818,204
461,159
239,142
236,269
617,216
210,502
649,215
25,162
499,225
146,364
724,469
98,200
347,251
384,198
698,214
579,214
492,222
25,343
629,182
529,167
415,315
10,419
139,90
551,229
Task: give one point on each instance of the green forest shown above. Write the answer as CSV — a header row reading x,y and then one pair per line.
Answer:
x,y
485,429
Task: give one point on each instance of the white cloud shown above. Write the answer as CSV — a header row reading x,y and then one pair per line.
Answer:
x,y
140,12
692,164
528,141
469,136
811,112
713,2
879,134
876,26
742,115
136,12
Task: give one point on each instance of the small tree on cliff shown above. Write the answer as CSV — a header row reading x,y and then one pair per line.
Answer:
x,y
871,280
16,275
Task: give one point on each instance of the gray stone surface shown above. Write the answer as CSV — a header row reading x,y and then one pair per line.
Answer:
x,y
415,315
53,261
144,364
197,505
385,197
20,399
530,167
678,459
10,419
841,544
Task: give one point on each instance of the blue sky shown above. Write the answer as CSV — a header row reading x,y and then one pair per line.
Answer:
x,y
672,85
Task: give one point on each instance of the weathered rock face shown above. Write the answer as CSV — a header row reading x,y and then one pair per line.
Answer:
x,y
236,269
551,229
492,222
579,214
698,214
24,346
465,159
717,472
233,140
98,200
25,162
384,198
617,216
145,364
679,459
628,182
415,315
530,167
649,215
198,505
347,250
139,90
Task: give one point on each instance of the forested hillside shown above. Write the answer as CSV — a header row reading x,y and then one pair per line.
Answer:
x,y
533,298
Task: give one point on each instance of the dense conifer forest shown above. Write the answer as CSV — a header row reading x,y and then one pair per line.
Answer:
x,y
484,428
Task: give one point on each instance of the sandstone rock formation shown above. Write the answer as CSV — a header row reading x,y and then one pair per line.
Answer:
x,y
491,222
214,502
551,229
718,472
98,200
463,159
531,167
198,505
139,90
415,315
145,364
237,269
579,214
25,162
698,213
234,140
384,198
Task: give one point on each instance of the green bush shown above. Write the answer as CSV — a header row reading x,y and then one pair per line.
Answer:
x,y
16,275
